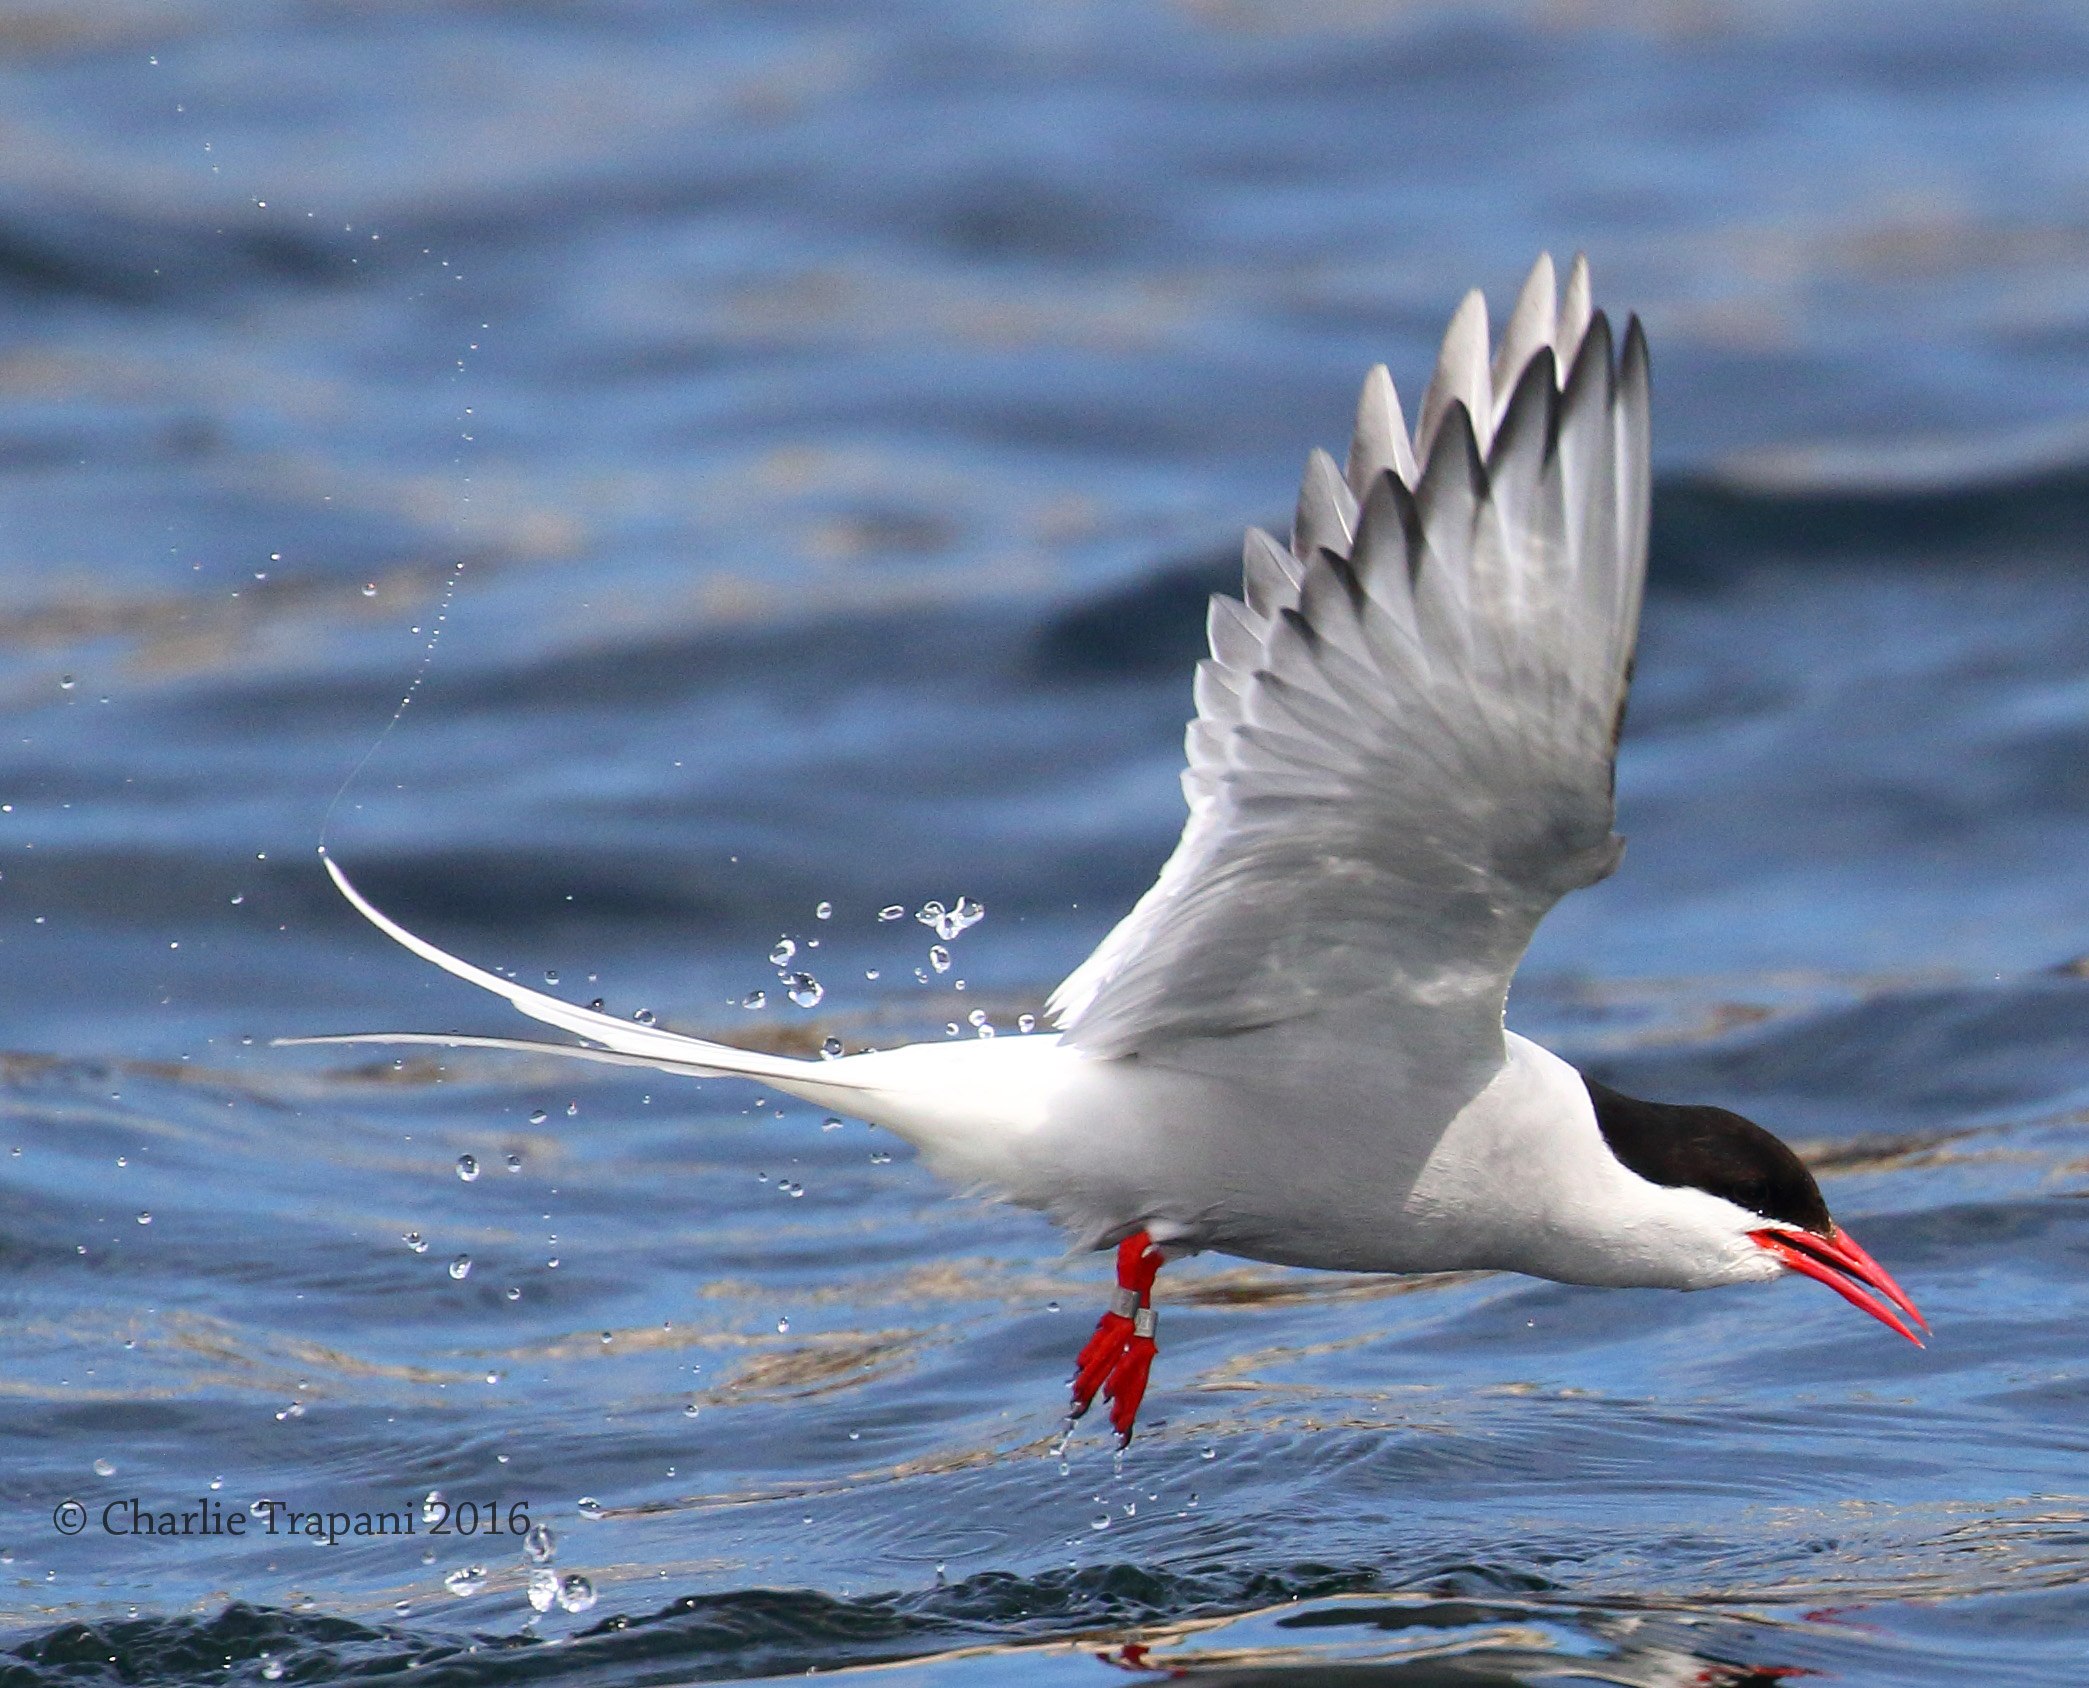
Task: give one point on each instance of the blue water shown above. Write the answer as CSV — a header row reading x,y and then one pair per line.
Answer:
x,y
811,431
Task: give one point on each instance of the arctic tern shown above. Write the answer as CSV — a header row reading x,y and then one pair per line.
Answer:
x,y
1292,1049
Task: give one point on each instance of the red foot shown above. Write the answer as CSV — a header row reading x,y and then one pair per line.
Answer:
x,y
1127,1385
1099,1359
1118,1357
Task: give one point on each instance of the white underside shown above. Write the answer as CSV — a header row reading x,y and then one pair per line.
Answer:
x,y
1198,1153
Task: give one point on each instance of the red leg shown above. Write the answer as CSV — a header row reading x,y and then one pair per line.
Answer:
x,y
1119,1355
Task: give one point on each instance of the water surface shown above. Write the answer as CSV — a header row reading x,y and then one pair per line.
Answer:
x,y
838,417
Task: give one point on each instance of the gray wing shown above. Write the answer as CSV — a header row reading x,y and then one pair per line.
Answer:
x,y
1406,733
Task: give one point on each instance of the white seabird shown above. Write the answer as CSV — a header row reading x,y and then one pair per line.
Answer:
x,y
1292,1049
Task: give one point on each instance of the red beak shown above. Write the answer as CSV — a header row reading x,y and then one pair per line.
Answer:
x,y
1836,1260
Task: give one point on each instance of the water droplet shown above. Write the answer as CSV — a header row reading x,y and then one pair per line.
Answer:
x,y
540,1545
370,589
691,1410
977,1017
467,1167
783,951
644,1016
415,1241
1101,1522
823,911
870,972
144,1218
551,975
461,1266
830,1124
238,897
465,1581
538,1116
830,1049
939,958
543,1590
514,1163
576,1593
891,912
1051,1306
1026,1023
572,1110
66,682
783,1325
796,1190
588,1507
596,1004
1208,1453
755,999
296,1409
513,1293
880,1157
271,1668
806,991
105,1468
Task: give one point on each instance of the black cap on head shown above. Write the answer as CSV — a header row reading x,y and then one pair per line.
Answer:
x,y
1712,1150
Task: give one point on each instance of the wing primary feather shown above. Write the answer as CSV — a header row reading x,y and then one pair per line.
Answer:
x,y
1388,546
1379,445
1235,640
1295,619
1576,307
1531,327
1269,574
1592,357
1533,403
1344,572
1400,498
1454,459
1460,376
1326,518
1633,397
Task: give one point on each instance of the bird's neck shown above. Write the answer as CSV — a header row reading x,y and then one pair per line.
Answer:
x,y
1525,1182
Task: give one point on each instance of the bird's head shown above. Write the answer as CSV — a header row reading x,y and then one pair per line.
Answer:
x,y
1777,1209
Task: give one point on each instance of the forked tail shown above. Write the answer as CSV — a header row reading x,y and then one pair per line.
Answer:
x,y
619,1042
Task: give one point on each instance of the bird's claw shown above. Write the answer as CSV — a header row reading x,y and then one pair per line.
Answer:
x,y
1098,1359
1126,1386
1118,1358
